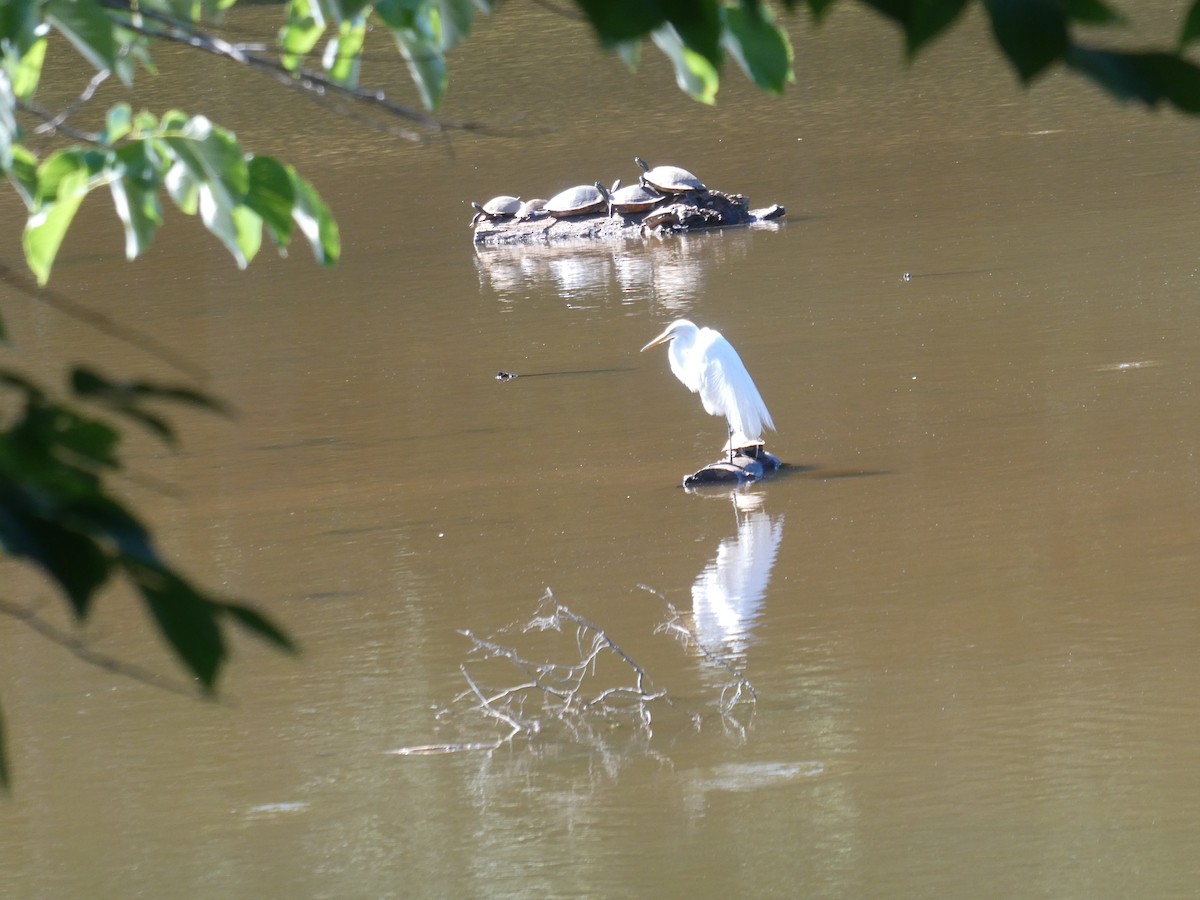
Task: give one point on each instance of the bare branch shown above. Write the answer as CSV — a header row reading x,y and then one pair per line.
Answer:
x,y
80,650
55,123
579,694
60,125
102,323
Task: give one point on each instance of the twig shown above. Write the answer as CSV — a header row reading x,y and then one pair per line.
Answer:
x,y
675,625
80,650
569,696
168,28
53,124
102,323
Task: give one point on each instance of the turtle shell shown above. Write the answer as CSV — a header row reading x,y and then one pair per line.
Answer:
x,y
576,201
669,179
635,198
497,208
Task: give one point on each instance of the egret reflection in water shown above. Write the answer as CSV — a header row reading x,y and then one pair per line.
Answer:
x,y
728,594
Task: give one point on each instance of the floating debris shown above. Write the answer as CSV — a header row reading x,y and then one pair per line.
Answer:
x,y
1127,366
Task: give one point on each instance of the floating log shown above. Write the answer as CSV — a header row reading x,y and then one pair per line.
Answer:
x,y
748,464
677,213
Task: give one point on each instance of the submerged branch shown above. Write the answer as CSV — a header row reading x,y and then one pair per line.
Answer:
x,y
577,693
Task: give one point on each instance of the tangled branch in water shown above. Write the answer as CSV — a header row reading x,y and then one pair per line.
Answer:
x,y
592,691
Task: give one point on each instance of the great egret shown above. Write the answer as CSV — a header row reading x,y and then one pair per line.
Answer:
x,y
709,366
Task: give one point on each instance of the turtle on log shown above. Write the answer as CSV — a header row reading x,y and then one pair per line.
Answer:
x,y
669,179
502,207
578,201
665,200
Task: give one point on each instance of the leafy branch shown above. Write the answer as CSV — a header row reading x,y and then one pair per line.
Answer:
x,y
57,514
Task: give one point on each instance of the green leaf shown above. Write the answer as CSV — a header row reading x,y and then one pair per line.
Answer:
x,y
698,24
631,53
458,17
272,196
817,7
345,10
139,212
1149,78
62,165
694,74
1191,26
186,618
211,172
921,20
117,123
397,14
1032,33
90,31
126,397
343,54
144,122
28,71
46,228
315,221
83,439
20,22
760,48
212,153
302,28
22,173
927,20
72,560
421,46
134,186
617,21
248,230
255,622
1093,12
183,187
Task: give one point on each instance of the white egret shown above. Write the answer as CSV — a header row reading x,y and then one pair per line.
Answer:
x,y
709,366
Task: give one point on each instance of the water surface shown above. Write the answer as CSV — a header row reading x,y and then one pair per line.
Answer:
x,y
967,611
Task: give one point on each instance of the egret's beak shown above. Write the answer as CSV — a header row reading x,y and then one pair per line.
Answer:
x,y
661,339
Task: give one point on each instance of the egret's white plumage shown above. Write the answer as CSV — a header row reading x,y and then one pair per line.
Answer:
x,y
709,366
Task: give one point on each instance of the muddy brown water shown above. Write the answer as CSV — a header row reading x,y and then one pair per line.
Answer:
x,y
969,610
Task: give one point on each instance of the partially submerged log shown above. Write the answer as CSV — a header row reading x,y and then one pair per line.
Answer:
x,y
748,464
677,213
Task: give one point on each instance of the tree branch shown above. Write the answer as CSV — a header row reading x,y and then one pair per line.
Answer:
x,y
252,55
80,650
102,323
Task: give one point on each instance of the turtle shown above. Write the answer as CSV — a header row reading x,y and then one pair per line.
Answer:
x,y
635,198
578,201
669,179
530,209
501,207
